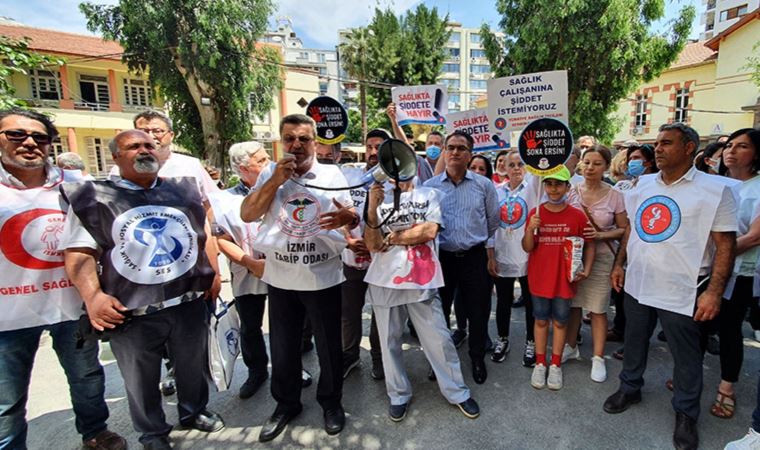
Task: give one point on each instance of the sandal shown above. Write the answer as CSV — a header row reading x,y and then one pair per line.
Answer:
x,y
724,406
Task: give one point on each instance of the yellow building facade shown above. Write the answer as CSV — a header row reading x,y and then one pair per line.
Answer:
x,y
709,88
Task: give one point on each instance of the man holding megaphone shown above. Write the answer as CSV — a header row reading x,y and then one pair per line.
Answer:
x,y
301,240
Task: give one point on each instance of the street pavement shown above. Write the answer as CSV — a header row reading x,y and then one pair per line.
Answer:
x,y
513,414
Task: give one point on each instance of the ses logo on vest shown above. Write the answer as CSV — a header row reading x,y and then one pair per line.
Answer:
x,y
513,213
657,219
153,244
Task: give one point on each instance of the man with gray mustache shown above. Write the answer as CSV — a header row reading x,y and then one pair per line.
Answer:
x,y
148,235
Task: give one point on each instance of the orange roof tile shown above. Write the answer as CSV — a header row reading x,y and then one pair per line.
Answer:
x,y
64,43
694,53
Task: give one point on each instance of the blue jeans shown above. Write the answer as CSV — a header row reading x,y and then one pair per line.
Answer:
x,y
557,309
83,371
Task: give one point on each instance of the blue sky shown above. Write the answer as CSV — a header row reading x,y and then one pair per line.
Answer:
x,y
315,21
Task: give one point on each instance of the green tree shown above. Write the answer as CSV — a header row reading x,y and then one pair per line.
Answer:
x,y
358,60
204,60
376,118
606,46
17,58
753,64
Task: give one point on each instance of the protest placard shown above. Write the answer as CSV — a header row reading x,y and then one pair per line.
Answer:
x,y
475,123
421,104
331,118
516,101
545,145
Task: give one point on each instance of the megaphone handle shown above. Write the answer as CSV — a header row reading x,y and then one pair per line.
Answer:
x,y
396,197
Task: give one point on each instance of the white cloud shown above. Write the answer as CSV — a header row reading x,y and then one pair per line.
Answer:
x,y
62,15
319,20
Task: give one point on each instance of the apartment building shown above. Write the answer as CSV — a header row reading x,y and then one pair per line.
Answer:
x,y
721,14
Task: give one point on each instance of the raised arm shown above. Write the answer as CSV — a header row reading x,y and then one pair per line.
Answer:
x,y
256,204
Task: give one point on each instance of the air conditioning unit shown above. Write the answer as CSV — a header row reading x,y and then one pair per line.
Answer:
x,y
637,130
456,58
267,135
254,135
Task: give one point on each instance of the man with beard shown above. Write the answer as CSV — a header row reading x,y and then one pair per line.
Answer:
x,y
356,260
31,217
328,153
134,248
300,237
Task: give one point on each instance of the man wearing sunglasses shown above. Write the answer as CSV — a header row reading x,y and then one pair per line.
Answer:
x,y
36,295
302,242
149,237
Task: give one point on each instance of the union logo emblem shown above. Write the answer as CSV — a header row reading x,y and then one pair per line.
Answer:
x,y
299,215
657,219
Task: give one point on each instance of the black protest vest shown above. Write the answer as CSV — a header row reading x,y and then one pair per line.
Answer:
x,y
152,240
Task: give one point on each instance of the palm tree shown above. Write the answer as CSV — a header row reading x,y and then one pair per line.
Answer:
x,y
356,56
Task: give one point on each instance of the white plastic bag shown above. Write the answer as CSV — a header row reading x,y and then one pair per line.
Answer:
x,y
223,342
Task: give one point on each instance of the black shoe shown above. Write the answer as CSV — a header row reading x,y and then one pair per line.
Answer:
x,y
377,372
305,378
348,367
685,435
580,338
335,420
529,356
458,336
157,443
500,352
275,425
207,421
431,374
661,336
620,401
168,385
470,408
307,346
397,412
619,353
614,336
519,303
713,345
252,385
587,319
479,373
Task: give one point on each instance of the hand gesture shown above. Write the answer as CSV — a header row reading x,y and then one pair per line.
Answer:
x,y
590,232
390,111
284,169
357,246
376,195
530,139
492,267
216,286
336,219
617,278
105,311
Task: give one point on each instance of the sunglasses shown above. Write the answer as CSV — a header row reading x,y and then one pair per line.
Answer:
x,y
20,136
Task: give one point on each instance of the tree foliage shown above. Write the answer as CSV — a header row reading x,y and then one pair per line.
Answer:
x,y
17,58
753,64
376,118
194,50
606,46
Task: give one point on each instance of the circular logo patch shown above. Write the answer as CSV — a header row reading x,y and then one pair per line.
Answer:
x,y
657,219
30,239
514,213
299,215
153,244
500,123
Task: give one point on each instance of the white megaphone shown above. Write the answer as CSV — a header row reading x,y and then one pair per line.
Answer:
x,y
395,161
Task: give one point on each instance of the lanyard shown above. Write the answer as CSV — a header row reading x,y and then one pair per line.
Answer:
x,y
511,199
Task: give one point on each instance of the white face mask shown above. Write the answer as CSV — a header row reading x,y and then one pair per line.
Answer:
x,y
714,164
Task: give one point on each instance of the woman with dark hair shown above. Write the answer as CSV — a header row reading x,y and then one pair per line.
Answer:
x,y
481,165
709,159
741,157
639,161
501,171
605,211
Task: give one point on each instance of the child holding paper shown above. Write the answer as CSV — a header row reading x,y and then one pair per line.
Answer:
x,y
553,271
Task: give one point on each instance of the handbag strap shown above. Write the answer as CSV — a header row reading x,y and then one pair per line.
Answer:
x,y
590,218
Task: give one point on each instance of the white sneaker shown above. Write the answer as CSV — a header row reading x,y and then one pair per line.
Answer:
x,y
598,369
749,442
756,335
554,381
538,378
570,353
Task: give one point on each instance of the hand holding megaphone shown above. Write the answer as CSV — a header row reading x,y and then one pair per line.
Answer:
x,y
395,159
284,169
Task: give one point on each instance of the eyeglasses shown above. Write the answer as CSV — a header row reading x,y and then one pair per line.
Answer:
x,y
289,140
457,148
157,132
20,136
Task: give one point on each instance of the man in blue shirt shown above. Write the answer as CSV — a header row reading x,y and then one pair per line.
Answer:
x,y
470,210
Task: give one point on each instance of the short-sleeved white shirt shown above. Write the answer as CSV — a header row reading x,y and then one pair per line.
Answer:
x,y
514,205
670,229
300,255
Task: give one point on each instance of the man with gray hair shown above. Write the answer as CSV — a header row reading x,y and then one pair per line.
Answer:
x,y
72,163
136,249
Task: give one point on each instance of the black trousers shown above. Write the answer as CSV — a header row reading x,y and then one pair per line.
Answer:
x,y
618,323
353,292
732,314
287,310
505,296
251,310
138,351
467,272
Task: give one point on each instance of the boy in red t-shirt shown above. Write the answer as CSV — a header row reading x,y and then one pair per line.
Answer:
x,y
548,272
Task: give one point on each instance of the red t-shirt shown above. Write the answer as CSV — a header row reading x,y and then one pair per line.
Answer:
x,y
547,269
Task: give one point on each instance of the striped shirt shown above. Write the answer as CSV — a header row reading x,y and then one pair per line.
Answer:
x,y
470,211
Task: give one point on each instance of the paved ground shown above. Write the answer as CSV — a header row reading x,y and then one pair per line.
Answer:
x,y
513,414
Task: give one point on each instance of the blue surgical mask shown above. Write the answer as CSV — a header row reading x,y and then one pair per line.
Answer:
x,y
557,202
433,152
635,168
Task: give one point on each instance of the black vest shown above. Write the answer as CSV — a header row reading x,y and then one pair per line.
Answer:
x,y
152,240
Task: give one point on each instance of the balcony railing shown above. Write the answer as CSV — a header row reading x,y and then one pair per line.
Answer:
x,y
88,106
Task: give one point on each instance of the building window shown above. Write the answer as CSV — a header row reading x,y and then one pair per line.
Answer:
x,y
450,68
453,52
303,55
477,53
451,84
322,88
94,93
478,84
321,58
45,85
682,103
323,71
99,161
58,146
733,13
264,119
136,92
475,38
474,99
454,100
641,111
480,68
454,38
